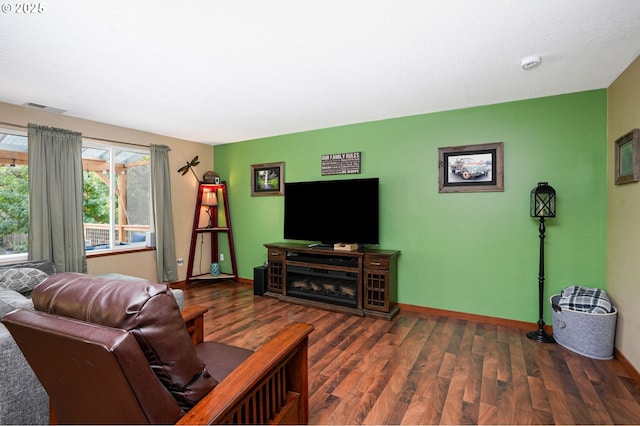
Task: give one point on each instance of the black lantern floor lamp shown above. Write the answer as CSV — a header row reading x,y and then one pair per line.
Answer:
x,y
543,205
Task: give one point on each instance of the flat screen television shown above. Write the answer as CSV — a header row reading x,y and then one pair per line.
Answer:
x,y
332,211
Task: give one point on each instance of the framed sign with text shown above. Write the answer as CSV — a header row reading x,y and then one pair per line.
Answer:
x,y
347,163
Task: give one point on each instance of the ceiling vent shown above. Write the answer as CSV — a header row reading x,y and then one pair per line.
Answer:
x,y
44,107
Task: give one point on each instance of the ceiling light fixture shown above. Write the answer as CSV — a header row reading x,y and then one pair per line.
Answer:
x,y
530,62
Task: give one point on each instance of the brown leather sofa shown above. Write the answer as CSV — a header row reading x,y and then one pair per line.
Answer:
x,y
119,352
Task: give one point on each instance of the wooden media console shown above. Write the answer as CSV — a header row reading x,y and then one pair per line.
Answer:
x,y
362,282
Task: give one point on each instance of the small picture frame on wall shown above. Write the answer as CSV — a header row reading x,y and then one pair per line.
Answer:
x,y
267,179
471,168
627,164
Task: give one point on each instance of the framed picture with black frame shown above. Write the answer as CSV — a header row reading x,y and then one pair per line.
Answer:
x,y
471,168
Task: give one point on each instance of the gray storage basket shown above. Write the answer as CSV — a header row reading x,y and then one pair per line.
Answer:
x,y
587,334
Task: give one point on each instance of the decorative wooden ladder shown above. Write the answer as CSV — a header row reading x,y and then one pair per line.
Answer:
x,y
212,230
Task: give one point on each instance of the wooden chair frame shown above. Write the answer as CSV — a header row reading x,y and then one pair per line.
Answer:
x,y
271,386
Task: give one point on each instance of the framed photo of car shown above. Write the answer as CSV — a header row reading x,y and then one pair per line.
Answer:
x,y
627,161
471,168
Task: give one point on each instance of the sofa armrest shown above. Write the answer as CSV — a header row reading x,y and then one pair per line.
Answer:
x,y
282,364
193,317
23,400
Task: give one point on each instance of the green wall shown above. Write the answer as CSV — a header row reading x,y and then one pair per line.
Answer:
x,y
466,252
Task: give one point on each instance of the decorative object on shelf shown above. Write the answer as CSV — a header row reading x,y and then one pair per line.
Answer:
x,y
627,164
211,177
347,163
267,179
210,199
189,167
471,168
543,204
345,247
215,269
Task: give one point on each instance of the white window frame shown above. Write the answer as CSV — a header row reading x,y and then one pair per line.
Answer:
x,y
16,257
88,143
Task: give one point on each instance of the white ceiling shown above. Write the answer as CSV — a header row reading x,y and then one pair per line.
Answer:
x,y
224,71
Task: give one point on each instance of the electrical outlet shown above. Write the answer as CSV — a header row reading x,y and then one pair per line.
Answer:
x,y
221,257
180,261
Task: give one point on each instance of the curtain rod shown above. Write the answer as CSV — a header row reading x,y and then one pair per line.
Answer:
x,y
87,137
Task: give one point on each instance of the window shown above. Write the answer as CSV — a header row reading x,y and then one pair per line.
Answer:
x,y
14,196
117,196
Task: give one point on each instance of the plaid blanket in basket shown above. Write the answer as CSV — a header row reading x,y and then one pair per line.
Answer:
x,y
585,299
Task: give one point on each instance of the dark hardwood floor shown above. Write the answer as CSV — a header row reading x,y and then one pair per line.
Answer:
x,y
426,369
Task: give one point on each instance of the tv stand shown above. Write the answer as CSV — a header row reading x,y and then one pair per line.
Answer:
x,y
362,282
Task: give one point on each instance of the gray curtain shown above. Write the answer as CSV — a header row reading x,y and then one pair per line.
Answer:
x,y
56,230
162,216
